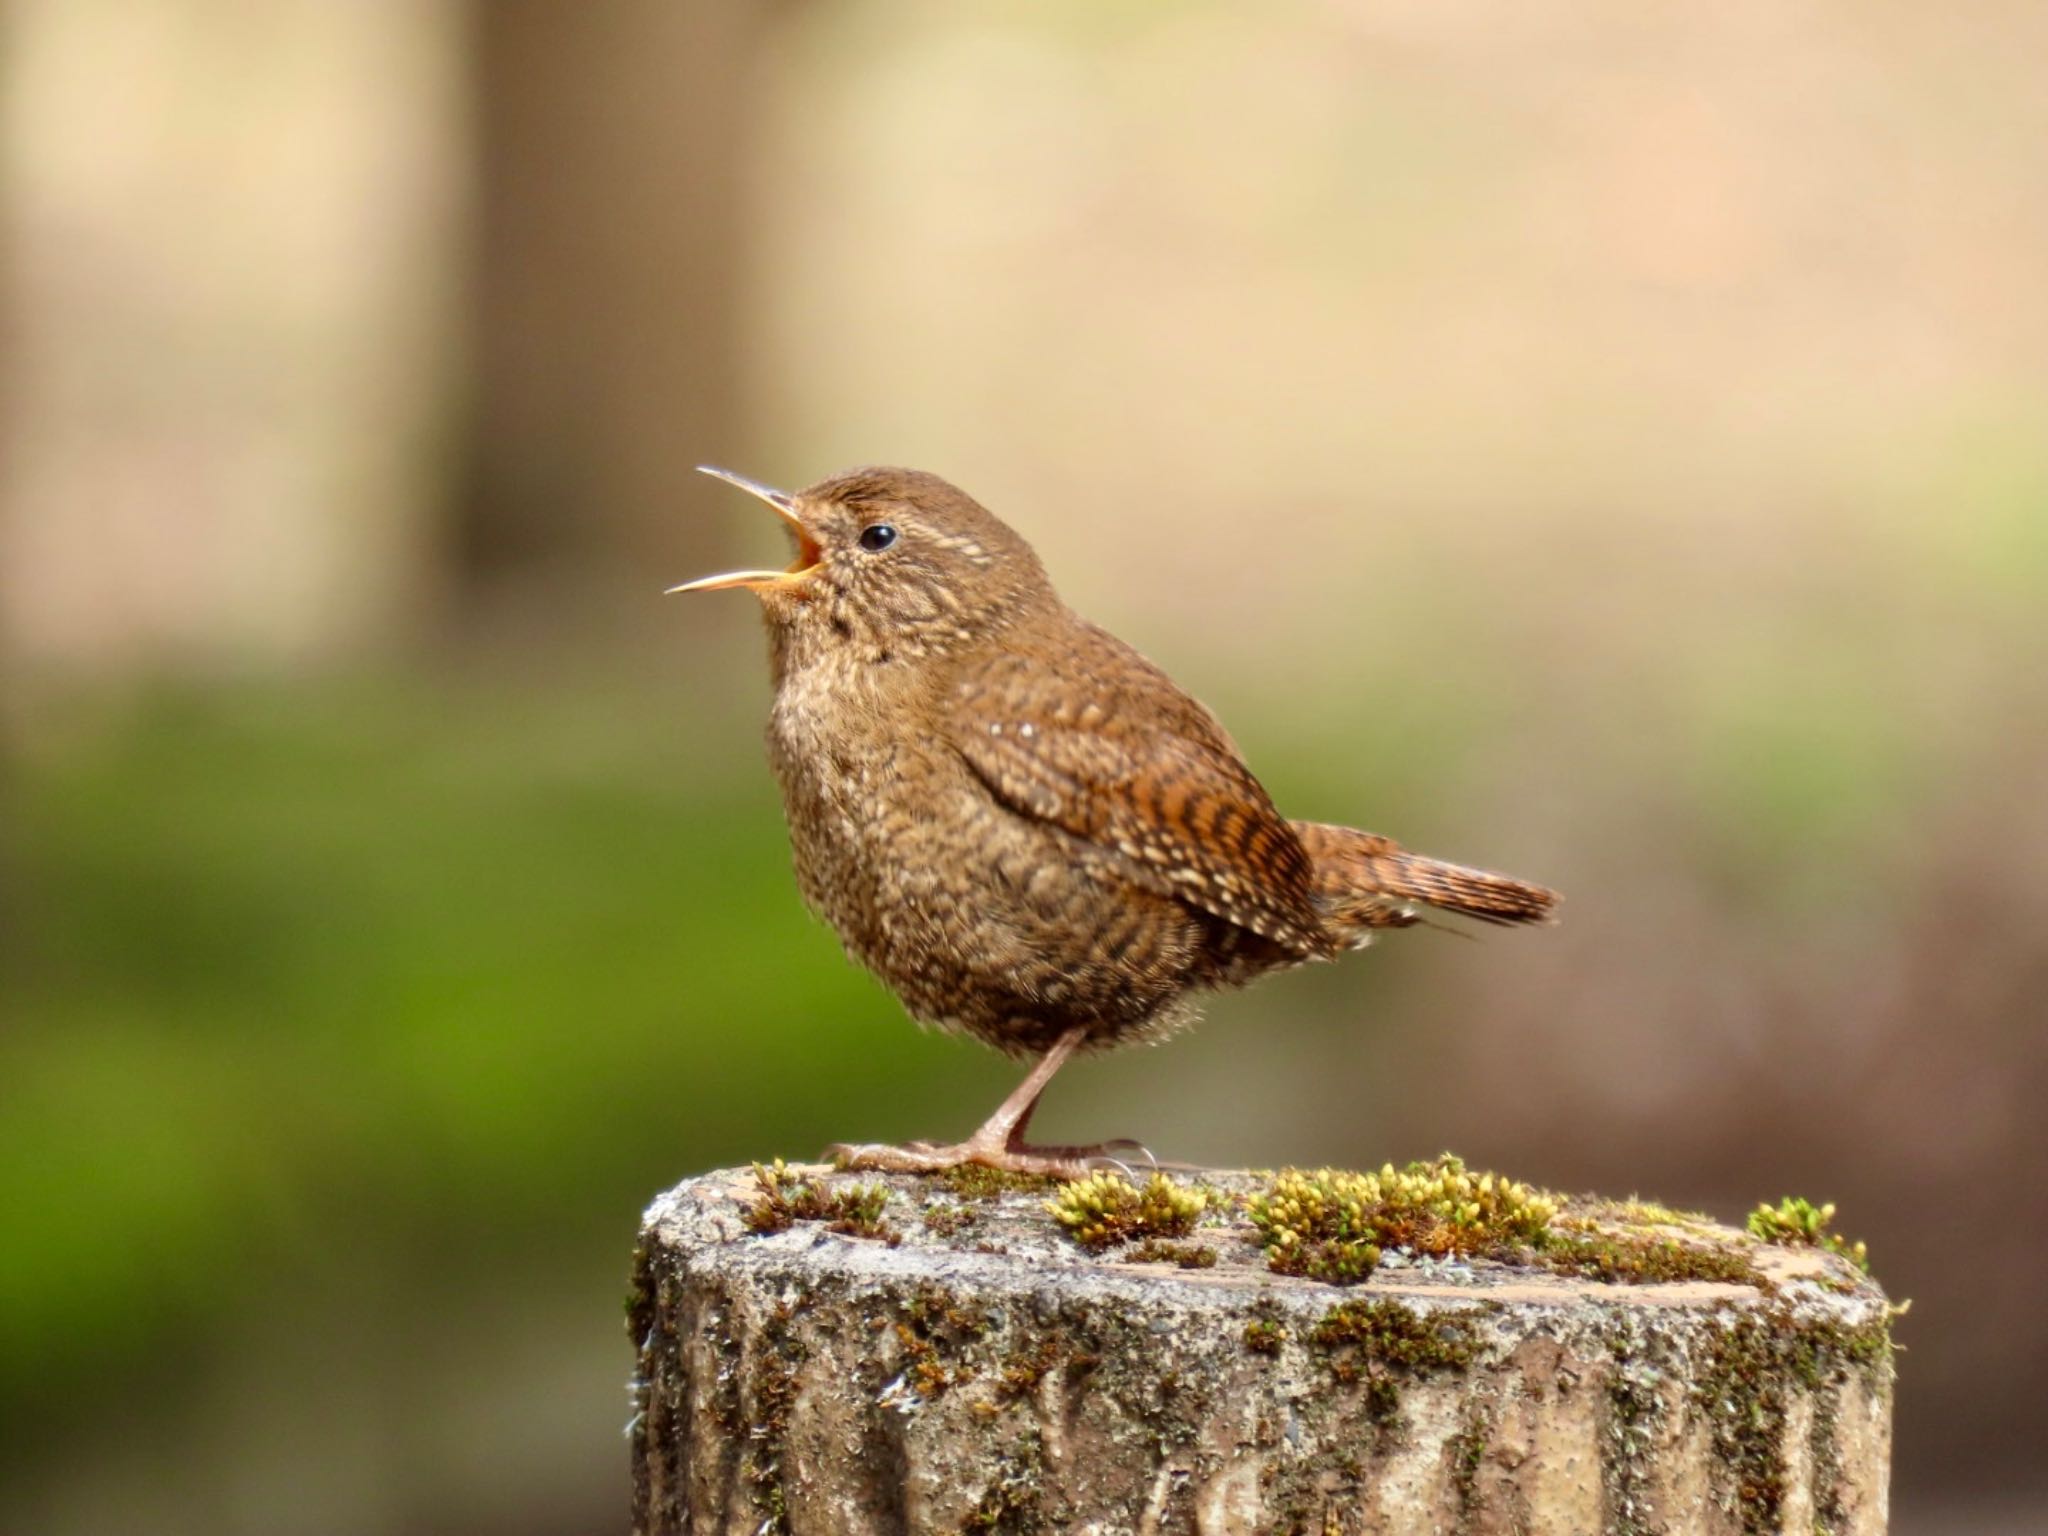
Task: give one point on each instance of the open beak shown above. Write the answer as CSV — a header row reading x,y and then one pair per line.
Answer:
x,y
807,551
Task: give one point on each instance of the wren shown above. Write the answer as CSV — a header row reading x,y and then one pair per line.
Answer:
x,y
1017,822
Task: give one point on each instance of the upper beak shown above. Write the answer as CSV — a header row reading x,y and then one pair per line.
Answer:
x,y
807,552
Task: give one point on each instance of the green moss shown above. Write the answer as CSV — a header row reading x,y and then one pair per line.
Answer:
x,y
1638,1212
934,1336
1106,1208
773,1391
1830,1513
948,1220
1465,1450
1394,1334
1629,1429
1741,1384
1794,1222
786,1198
937,1313
973,1181
1643,1258
640,1309
1182,1255
1023,1371
1264,1336
1011,1505
1381,1343
1822,1350
1331,1225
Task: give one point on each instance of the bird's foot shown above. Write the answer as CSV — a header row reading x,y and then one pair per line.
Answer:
x,y
1006,1157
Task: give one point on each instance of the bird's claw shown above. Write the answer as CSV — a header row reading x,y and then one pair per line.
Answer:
x,y
929,1157
1104,1157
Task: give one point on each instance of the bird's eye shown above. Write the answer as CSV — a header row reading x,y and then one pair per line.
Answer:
x,y
877,537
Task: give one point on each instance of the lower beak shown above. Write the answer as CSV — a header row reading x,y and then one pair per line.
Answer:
x,y
807,551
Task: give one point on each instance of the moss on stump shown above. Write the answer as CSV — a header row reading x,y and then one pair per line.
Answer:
x,y
907,1354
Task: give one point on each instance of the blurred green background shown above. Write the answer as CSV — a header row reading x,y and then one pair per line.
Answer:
x,y
1608,442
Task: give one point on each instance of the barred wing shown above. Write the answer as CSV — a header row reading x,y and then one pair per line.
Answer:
x,y
1103,745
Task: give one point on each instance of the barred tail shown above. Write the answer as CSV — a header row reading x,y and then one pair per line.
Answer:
x,y
1364,881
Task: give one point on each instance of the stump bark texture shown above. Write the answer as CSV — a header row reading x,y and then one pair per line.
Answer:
x,y
966,1367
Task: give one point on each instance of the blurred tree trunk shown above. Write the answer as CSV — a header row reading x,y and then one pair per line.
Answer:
x,y
614,147
233,306
231,241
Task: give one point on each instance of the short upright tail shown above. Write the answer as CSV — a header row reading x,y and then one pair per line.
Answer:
x,y
1364,882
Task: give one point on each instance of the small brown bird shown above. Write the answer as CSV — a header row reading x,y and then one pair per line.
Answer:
x,y
1016,821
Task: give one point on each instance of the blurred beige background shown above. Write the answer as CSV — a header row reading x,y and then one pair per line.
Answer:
x,y
1605,441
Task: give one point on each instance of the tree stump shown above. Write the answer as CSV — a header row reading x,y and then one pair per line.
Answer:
x,y
884,1354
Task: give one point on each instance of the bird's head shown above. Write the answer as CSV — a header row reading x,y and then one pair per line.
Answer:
x,y
889,563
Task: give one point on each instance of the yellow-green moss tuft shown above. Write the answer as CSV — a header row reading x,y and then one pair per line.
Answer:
x,y
945,1220
785,1198
1331,1225
1106,1208
1264,1336
1797,1223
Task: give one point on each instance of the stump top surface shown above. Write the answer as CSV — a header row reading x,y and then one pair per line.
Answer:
x,y
1009,1240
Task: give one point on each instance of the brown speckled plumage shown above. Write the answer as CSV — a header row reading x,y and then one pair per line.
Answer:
x,y
1016,821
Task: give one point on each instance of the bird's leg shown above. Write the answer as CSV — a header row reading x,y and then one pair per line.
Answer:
x,y
1005,1128
1000,1141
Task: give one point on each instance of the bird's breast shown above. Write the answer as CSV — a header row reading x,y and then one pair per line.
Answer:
x,y
860,789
